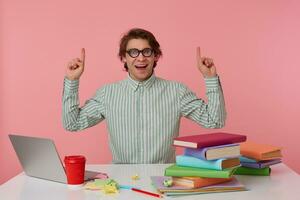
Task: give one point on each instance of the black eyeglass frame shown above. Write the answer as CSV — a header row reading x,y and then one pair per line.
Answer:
x,y
143,51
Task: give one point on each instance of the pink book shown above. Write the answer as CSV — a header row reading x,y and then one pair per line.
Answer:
x,y
208,140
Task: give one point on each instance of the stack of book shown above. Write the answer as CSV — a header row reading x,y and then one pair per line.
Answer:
x,y
180,190
257,158
207,165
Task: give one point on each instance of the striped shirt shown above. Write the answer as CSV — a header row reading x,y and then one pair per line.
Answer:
x,y
143,117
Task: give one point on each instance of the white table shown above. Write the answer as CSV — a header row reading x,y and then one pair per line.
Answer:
x,y
282,184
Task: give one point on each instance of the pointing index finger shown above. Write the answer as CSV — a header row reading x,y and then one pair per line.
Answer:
x,y
198,54
83,55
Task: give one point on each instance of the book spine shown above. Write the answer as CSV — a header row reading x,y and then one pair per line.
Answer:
x,y
261,164
197,153
252,165
189,161
253,171
205,173
217,174
245,159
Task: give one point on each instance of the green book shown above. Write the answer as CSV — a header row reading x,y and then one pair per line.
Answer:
x,y
175,170
253,171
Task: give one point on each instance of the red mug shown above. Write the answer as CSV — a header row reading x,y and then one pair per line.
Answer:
x,y
75,167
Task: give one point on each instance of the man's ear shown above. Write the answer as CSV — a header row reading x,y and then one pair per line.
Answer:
x,y
123,59
156,58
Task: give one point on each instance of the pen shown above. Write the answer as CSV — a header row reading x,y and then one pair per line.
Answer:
x,y
146,192
127,187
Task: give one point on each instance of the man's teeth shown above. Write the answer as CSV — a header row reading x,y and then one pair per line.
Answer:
x,y
141,66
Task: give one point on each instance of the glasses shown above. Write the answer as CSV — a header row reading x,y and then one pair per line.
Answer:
x,y
147,52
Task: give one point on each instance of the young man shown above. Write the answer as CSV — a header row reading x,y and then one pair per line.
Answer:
x,y
143,111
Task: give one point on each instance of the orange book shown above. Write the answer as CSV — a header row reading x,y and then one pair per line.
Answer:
x,y
260,151
197,182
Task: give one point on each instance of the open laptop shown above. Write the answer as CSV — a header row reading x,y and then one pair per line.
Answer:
x,y
39,158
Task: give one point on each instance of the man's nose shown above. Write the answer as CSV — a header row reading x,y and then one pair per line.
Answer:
x,y
141,57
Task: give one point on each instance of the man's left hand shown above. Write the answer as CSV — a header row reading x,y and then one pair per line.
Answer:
x,y
206,65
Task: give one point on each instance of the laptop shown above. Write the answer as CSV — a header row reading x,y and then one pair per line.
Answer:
x,y
39,158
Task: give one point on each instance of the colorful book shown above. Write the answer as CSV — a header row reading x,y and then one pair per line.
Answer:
x,y
260,151
245,159
196,182
229,186
214,152
261,164
208,140
220,164
253,171
180,171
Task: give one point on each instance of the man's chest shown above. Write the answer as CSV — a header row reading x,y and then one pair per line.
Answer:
x,y
143,104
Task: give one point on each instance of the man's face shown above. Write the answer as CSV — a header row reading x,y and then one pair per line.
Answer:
x,y
140,68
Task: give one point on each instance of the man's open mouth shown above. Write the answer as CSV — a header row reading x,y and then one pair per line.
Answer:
x,y
141,66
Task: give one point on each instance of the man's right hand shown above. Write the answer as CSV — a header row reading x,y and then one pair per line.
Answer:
x,y
75,67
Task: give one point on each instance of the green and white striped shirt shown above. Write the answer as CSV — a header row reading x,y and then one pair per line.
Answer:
x,y
143,117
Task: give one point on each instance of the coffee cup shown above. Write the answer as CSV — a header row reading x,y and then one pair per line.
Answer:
x,y
75,168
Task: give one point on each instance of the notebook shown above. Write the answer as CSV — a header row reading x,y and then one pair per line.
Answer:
x,y
39,158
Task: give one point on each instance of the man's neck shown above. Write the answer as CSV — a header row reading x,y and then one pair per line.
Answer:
x,y
141,80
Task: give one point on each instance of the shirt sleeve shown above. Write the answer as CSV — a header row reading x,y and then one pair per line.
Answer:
x,y
75,118
211,114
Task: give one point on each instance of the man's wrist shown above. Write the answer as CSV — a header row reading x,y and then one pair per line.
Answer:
x,y
212,82
71,85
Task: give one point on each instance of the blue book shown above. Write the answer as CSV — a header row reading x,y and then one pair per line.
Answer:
x,y
214,152
220,164
261,164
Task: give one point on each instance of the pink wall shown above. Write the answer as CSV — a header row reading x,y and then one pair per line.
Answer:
x,y
255,45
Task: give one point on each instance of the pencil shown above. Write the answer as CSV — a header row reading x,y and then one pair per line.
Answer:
x,y
126,187
146,192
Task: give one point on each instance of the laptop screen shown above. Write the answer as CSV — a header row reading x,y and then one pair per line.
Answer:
x,y
39,157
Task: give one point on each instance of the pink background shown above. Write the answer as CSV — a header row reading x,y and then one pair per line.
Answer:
x,y
255,45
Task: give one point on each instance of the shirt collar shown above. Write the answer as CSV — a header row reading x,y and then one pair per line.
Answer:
x,y
136,84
